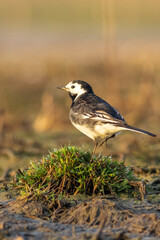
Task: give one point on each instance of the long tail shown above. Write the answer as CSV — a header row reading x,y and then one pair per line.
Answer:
x,y
134,129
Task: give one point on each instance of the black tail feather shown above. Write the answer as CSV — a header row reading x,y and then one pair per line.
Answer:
x,y
138,130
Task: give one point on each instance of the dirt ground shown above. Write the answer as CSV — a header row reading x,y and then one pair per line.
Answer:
x,y
99,217
105,217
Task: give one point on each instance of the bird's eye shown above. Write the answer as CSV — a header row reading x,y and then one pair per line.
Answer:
x,y
72,86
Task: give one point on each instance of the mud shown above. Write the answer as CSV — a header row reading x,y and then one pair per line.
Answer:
x,y
104,217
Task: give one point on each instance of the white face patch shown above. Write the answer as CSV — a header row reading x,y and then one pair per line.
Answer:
x,y
75,89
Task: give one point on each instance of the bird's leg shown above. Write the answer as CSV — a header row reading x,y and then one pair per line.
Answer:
x,y
94,150
105,140
100,145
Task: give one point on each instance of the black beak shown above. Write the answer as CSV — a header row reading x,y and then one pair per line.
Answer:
x,y
62,88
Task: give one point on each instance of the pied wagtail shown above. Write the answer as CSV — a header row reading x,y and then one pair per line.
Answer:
x,y
93,116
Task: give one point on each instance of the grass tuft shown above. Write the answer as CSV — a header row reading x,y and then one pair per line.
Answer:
x,y
68,171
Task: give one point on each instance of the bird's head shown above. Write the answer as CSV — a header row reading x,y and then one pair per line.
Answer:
x,y
77,88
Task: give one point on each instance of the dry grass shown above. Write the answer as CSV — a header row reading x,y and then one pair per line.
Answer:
x,y
133,88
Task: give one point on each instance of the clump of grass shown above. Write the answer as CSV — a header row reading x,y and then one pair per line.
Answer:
x,y
68,171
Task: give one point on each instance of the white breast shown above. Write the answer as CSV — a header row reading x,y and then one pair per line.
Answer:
x,y
99,130
87,131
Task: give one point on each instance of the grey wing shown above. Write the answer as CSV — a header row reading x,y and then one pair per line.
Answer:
x,y
106,108
104,117
95,108
98,109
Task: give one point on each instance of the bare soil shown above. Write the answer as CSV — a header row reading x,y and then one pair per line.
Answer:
x,y
105,217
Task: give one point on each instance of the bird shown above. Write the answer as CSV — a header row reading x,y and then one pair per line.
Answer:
x,y
95,117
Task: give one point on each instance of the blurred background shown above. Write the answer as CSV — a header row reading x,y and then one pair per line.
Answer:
x,y
113,45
